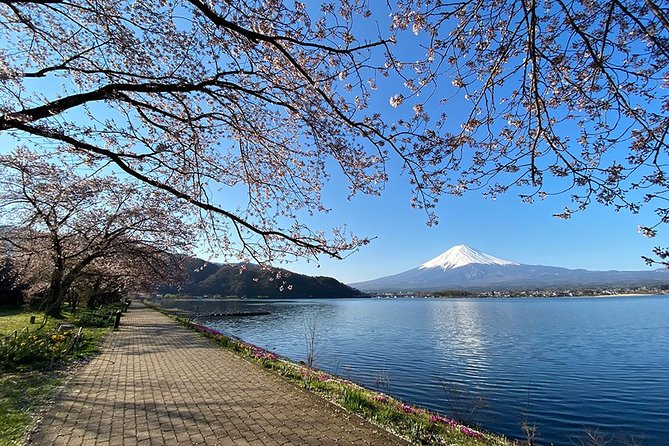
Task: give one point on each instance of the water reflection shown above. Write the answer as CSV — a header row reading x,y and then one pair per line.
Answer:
x,y
460,335
561,363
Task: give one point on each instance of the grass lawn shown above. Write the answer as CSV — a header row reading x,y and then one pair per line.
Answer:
x,y
24,390
16,318
21,396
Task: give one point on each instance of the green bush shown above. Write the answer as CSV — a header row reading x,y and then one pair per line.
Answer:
x,y
95,318
26,349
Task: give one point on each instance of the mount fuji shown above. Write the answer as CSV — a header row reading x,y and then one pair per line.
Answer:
x,y
464,268
462,255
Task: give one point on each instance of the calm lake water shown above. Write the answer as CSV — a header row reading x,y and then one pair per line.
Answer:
x,y
562,364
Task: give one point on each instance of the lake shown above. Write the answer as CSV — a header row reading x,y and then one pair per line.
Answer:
x,y
565,365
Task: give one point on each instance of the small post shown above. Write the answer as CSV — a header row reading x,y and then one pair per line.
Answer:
x,y
32,319
117,321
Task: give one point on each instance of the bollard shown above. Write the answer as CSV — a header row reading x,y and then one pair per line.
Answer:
x,y
117,321
32,319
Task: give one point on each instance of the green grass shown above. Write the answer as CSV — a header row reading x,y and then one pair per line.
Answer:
x,y
21,396
356,401
16,319
24,389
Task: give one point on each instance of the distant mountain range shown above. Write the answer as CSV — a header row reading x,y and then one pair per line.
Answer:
x,y
250,280
464,268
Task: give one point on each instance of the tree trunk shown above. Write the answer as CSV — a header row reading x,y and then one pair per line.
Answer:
x,y
55,297
57,293
73,298
94,297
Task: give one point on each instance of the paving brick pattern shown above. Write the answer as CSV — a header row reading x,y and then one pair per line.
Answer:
x,y
157,383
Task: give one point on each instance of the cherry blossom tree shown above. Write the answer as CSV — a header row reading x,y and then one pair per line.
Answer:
x,y
64,227
191,98
264,99
562,97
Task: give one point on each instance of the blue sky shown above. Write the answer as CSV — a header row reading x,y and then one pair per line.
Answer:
x,y
597,238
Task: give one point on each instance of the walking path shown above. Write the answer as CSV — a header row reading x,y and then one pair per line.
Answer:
x,y
157,383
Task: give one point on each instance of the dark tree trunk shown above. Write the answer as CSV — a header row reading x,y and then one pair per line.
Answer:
x,y
94,297
73,299
57,293
55,298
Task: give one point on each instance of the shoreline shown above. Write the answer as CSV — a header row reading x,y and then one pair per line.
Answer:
x,y
537,294
387,343
320,383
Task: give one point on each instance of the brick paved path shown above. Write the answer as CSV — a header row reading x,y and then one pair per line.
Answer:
x,y
157,383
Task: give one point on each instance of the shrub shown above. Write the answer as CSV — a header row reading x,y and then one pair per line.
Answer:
x,y
11,290
26,349
94,319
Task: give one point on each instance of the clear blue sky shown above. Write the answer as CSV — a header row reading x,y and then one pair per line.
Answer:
x,y
597,238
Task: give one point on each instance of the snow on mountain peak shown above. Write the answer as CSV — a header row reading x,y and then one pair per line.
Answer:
x,y
462,255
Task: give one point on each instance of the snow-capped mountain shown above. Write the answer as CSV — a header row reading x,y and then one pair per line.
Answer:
x,y
462,267
461,255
